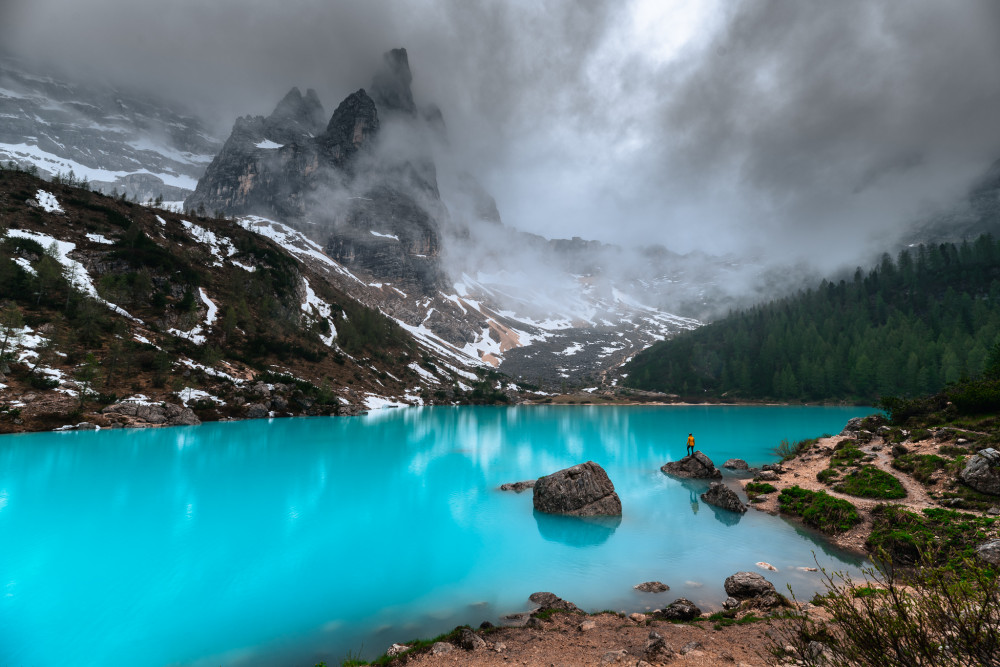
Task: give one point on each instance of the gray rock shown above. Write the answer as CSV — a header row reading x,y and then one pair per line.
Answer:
x,y
582,490
989,551
982,472
651,587
776,467
736,464
731,603
279,404
396,649
255,411
534,623
693,466
658,650
164,413
720,495
853,426
547,601
614,657
441,648
470,641
680,609
518,487
746,585
691,646
766,476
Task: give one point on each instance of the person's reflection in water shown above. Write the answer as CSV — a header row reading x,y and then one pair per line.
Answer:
x,y
694,500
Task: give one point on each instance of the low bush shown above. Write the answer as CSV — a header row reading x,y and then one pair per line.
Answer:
x,y
920,466
819,509
828,475
928,615
789,450
870,482
846,453
905,536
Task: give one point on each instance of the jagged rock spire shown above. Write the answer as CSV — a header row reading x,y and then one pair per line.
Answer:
x,y
295,117
354,121
391,85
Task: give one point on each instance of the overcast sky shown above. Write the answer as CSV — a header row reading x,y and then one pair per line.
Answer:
x,y
788,128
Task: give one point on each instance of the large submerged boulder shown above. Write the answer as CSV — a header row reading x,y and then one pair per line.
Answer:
x,y
693,466
582,490
722,496
982,472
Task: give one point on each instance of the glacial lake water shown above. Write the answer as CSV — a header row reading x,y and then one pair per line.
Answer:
x,y
291,541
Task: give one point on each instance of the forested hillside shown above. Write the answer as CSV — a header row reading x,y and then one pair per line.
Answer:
x,y
907,327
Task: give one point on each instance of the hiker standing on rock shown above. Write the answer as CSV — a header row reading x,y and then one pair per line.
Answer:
x,y
690,447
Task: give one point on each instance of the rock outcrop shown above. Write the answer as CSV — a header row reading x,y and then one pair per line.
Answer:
x,y
745,585
651,587
720,495
518,487
551,602
582,490
989,551
736,464
680,609
658,651
982,472
135,414
693,466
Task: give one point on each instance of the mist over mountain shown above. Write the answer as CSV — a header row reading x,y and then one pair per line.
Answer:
x,y
757,129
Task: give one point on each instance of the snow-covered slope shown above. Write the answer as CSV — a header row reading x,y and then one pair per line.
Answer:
x,y
574,333
114,139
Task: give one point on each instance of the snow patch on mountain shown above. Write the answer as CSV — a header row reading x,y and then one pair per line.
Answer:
x,y
221,247
313,304
74,271
48,202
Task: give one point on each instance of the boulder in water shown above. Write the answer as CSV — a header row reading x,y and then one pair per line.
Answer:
x,y
692,466
582,490
722,496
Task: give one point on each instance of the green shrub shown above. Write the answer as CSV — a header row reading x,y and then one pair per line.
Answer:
x,y
828,475
846,453
870,482
921,466
905,536
926,615
760,488
819,509
976,396
789,450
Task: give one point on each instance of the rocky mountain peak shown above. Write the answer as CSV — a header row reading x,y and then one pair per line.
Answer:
x,y
391,85
354,121
295,118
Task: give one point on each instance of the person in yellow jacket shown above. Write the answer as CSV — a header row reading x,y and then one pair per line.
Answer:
x,y
690,447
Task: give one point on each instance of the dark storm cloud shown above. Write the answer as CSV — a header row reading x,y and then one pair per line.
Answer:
x,y
783,128
853,113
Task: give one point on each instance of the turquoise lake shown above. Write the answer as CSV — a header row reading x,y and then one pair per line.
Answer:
x,y
291,541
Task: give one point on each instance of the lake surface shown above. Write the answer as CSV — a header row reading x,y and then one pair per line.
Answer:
x,y
290,541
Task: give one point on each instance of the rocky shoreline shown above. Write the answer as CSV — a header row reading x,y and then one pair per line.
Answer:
x,y
753,622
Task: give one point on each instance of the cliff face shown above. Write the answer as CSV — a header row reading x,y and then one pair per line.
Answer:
x,y
375,207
